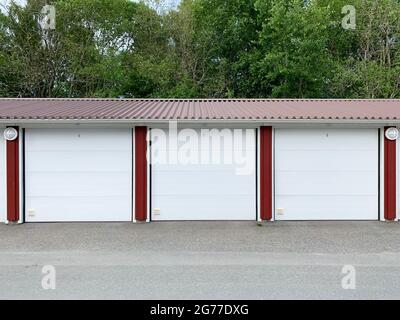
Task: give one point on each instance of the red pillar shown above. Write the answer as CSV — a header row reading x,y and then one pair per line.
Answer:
x,y
266,172
389,178
140,173
12,173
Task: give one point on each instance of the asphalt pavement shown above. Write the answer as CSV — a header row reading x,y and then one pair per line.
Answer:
x,y
200,260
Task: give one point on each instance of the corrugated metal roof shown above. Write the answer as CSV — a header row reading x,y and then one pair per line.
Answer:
x,y
198,109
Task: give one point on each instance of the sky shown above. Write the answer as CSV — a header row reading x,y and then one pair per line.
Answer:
x,y
6,2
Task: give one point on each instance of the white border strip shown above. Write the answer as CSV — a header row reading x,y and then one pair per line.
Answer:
x,y
133,176
397,179
273,174
225,122
148,176
382,174
4,206
258,175
21,176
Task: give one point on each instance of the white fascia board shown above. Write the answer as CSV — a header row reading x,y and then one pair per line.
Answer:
x,y
138,122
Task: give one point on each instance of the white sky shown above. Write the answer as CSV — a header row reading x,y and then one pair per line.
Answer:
x,y
5,3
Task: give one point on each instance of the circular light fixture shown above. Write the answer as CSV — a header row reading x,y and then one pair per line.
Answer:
x,y
392,133
10,134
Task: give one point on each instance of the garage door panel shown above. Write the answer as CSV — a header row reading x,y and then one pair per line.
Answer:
x,y
329,183
326,174
335,160
108,184
89,182
316,139
209,187
209,163
336,207
212,142
79,161
188,190
188,182
240,147
76,140
52,211
204,207
205,168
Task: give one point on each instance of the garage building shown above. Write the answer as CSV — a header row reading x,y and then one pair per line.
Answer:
x,y
142,160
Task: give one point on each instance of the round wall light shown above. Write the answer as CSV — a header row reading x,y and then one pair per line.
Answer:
x,y
10,134
392,133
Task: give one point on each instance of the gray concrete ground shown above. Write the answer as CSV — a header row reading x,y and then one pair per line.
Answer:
x,y
201,260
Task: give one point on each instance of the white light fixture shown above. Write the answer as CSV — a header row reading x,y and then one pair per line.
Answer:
x,y
392,133
10,134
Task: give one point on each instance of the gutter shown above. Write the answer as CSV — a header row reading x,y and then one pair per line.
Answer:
x,y
200,121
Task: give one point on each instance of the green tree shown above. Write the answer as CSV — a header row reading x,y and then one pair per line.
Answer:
x,y
98,48
203,48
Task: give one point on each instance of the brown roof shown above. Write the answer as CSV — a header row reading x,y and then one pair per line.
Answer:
x,y
197,109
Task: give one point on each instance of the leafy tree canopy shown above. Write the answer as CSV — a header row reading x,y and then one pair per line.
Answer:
x,y
202,48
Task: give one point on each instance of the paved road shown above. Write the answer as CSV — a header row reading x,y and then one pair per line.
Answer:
x,y
201,260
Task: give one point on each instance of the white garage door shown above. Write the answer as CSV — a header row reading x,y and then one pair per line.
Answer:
x,y
213,178
78,175
2,178
327,174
